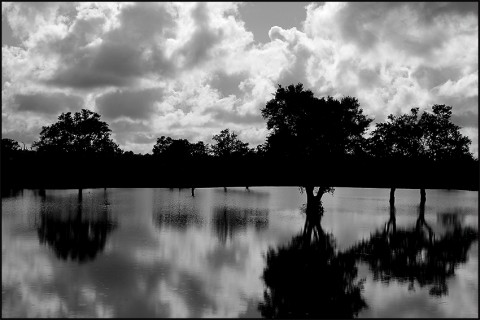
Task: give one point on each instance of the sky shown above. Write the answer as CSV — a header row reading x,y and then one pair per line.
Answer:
x,y
188,70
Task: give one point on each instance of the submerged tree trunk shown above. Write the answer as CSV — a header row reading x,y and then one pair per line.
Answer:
x,y
392,196
423,196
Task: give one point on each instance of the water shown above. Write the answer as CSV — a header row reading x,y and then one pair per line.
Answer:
x,y
164,253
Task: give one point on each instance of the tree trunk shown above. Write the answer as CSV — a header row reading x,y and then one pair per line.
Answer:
x,y
392,196
193,192
423,196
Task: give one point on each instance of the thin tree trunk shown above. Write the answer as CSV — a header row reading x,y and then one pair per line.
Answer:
x,y
392,196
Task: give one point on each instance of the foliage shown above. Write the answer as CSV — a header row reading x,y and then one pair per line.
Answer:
x,y
83,132
304,126
179,148
429,136
227,145
9,146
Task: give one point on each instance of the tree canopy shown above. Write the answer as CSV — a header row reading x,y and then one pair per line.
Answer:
x,y
83,132
227,144
179,148
304,126
429,136
9,145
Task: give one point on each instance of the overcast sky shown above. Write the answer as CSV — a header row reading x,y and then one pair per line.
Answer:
x,y
189,70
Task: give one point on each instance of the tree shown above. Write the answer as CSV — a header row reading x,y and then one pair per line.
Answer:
x,y
399,137
441,138
305,127
9,146
82,133
179,148
227,145
431,136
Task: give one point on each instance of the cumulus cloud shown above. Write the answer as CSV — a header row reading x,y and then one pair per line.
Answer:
x,y
213,75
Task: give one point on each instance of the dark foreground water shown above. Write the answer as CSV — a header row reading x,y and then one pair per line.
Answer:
x,y
164,253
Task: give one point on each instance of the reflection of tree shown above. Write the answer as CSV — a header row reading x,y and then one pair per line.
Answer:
x,y
308,279
179,217
75,237
227,221
415,255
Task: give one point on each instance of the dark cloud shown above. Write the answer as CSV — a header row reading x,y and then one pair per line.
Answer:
x,y
221,115
202,41
129,103
25,136
227,84
364,24
47,103
466,120
428,77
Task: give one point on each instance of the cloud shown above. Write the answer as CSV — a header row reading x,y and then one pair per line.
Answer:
x,y
54,103
129,103
213,75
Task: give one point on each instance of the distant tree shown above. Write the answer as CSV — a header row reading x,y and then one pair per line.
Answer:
x,y
163,143
304,127
227,144
9,146
179,149
200,149
441,138
429,136
83,132
399,137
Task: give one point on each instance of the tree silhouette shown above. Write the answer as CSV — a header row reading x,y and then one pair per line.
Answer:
x,y
9,146
83,132
442,139
304,127
228,145
431,136
308,278
398,137
179,149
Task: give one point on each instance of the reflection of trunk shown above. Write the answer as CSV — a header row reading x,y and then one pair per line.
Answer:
x,y
422,223
314,212
193,192
79,195
392,223
392,196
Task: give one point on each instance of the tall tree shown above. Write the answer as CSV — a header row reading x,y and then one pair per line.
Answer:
x,y
227,144
305,127
83,132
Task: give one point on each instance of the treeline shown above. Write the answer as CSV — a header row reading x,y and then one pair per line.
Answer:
x,y
322,140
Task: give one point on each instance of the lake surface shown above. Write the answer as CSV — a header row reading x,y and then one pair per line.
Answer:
x,y
164,253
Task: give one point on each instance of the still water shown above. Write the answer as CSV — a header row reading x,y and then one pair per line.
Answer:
x,y
164,253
